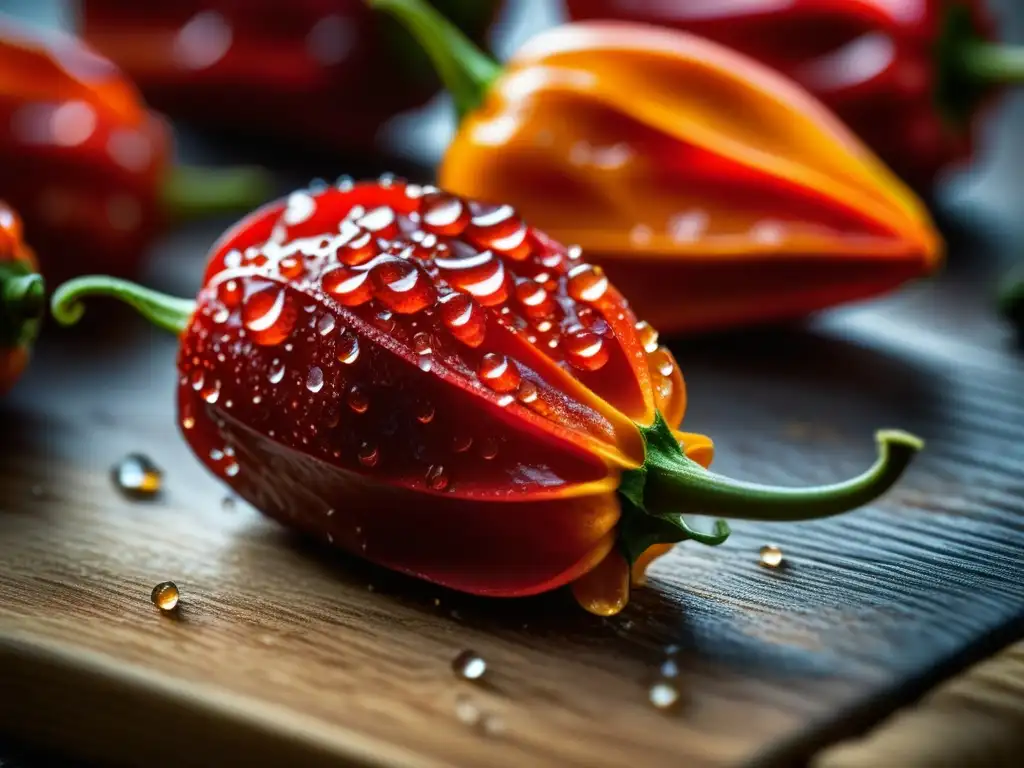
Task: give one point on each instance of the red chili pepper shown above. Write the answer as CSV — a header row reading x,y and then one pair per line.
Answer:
x,y
714,191
324,71
87,164
22,299
908,77
436,386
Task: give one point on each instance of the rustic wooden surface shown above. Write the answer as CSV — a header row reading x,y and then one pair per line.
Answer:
x,y
286,651
975,719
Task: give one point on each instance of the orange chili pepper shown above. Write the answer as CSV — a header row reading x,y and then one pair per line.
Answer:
x,y
22,298
713,190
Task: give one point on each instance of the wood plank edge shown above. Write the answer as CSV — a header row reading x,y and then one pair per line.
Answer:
x,y
855,721
87,705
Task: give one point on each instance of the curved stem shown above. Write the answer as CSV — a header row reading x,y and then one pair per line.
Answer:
x,y
191,191
994,63
676,483
167,312
466,71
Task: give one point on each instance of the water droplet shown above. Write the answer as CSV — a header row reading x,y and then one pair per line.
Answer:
x,y
301,206
585,350
469,665
269,315
381,222
347,285
211,394
347,348
771,556
315,379
641,234
587,282
229,293
425,413
647,336
662,361
488,448
359,249
325,324
461,443
425,364
197,379
422,344
385,321
464,318
402,285
437,478
482,275
165,596
466,712
290,266
493,725
358,400
443,214
368,455
527,393
499,373
499,227
669,668
663,695
188,422
276,372
137,476
228,503
537,303
231,469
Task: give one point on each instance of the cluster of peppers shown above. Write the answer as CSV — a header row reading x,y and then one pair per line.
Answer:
x,y
366,360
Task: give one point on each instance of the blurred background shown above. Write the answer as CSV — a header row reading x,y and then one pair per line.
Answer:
x,y
992,187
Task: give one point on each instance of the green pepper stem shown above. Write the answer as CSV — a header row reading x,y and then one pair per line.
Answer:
x,y
192,191
994,63
23,296
466,71
676,483
22,300
167,312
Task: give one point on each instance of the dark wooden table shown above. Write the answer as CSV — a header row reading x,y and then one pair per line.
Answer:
x,y
872,609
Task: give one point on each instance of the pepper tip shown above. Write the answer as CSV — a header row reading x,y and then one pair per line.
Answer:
x,y
65,306
897,439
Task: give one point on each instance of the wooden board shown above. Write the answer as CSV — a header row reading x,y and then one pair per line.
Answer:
x,y
287,652
975,719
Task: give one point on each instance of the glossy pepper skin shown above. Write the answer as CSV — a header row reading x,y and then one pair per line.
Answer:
x,y
22,299
712,190
907,77
86,163
432,384
326,72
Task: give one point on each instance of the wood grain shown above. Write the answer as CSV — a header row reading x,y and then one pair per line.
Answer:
x,y
975,719
283,649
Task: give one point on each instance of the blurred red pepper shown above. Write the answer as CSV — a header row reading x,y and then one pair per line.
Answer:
x,y
86,164
22,298
329,72
432,384
714,191
907,76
